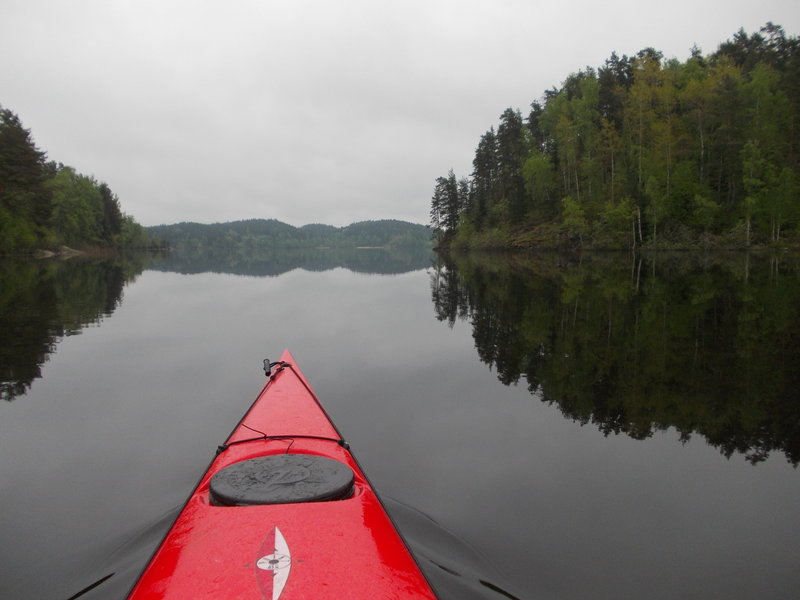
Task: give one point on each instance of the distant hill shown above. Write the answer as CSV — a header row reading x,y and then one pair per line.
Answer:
x,y
271,233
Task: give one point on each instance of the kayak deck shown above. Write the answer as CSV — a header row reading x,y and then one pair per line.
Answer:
x,y
290,549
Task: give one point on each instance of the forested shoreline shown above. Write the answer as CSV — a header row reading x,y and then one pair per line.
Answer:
x,y
642,152
253,235
45,205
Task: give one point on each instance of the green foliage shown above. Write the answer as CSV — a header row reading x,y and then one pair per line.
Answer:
x,y
704,212
24,198
447,204
46,204
16,231
540,184
131,234
702,148
617,223
77,207
574,217
465,235
261,234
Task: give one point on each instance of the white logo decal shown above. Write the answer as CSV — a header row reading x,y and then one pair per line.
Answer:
x,y
279,562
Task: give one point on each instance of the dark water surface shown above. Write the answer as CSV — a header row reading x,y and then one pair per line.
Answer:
x,y
552,427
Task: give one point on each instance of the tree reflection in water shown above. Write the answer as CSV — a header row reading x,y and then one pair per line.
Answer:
x,y
41,301
708,344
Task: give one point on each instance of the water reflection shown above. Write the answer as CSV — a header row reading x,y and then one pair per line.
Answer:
x,y
707,344
267,262
44,300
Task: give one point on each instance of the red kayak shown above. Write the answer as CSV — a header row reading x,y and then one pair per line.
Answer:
x,y
284,512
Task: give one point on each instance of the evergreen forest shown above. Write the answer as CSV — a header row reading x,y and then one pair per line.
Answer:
x,y
44,205
643,151
255,235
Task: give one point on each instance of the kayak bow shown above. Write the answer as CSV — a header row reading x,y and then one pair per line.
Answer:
x,y
283,512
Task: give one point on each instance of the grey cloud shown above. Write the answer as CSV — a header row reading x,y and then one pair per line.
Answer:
x,y
309,111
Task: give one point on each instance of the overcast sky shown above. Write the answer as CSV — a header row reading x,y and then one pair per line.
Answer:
x,y
310,111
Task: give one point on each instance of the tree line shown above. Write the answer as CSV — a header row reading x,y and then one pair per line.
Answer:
x,y
642,151
44,204
266,234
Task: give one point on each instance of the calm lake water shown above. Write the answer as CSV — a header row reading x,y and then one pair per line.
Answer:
x,y
604,426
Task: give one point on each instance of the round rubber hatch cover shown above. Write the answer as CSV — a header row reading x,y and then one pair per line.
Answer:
x,y
282,479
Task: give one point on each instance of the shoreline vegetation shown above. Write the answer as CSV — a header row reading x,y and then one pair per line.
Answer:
x,y
255,235
642,153
48,209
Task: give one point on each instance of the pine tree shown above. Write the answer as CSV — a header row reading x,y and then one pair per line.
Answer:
x,y
511,153
484,177
24,198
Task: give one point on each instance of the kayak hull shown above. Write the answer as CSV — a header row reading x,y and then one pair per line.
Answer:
x,y
345,548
